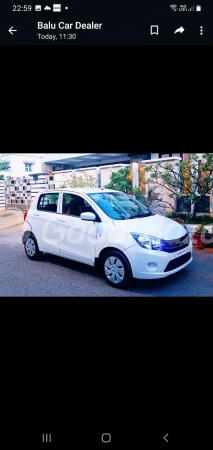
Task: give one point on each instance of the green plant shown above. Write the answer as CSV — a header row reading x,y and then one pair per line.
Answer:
x,y
3,167
200,229
83,181
121,181
207,218
180,221
176,215
137,193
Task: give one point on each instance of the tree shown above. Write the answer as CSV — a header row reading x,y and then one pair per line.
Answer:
x,y
153,200
122,181
190,181
3,167
83,181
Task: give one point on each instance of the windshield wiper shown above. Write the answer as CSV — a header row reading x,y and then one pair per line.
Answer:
x,y
141,215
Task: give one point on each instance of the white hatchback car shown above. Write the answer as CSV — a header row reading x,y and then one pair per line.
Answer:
x,y
109,228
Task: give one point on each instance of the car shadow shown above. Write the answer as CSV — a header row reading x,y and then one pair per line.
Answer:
x,y
170,282
137,285
70,264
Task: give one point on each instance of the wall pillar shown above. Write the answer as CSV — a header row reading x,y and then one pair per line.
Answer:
x,y
98,175
135,175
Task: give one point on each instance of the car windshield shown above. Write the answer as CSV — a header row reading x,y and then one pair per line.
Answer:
x,y
120,206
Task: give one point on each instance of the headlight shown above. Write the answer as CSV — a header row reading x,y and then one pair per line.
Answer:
x,y
148,242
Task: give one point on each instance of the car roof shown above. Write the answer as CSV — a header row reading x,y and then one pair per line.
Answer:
x,y
80,190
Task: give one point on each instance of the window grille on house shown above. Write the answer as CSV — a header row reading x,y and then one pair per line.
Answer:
x,y
139,156
184,203
6,165
28,167
169,155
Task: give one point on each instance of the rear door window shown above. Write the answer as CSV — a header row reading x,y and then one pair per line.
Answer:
x,y
48,202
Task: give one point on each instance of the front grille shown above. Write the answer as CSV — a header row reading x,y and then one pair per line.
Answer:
x,y
176,244
177,262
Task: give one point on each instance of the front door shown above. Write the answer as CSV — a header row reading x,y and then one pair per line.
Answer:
x,y
77,238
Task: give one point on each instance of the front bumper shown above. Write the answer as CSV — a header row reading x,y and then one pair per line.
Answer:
x,y
151,264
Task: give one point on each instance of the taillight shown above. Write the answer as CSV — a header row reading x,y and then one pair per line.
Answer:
x,y
25,215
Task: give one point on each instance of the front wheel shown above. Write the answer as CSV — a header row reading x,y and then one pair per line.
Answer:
x,y
117,270
31,248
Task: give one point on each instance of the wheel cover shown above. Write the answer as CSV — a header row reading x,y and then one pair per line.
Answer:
x,y
30,247
114,269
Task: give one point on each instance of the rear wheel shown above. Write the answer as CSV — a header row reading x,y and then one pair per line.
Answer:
x,y
117,270
31,248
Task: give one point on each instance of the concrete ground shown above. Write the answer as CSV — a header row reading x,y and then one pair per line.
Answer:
x,y
56,277
11,218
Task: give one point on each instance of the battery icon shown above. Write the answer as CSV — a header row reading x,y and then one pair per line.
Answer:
x,y
57,7
198,8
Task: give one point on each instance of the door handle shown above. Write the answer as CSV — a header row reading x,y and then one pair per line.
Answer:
x,y
62,220
37,215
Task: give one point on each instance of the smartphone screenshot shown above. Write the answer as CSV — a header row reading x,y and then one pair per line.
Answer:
x,y
106,293
106,22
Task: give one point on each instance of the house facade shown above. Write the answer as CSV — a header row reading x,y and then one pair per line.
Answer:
x,y
100,166
59,166
21,164
54,162
149,156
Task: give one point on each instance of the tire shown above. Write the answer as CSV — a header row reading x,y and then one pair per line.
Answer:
x,y
116,269
31,248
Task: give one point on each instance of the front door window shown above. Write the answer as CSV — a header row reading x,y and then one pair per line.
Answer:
x,y
74,205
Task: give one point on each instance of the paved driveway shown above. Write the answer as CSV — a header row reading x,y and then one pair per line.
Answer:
x,y
54,276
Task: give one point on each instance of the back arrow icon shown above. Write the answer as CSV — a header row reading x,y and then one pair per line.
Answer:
x,y
166,437
11,30
179,30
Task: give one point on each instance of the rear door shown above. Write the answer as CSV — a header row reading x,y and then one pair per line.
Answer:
x,y
44,223
77,238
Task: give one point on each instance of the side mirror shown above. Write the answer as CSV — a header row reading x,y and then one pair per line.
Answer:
x,y
88,216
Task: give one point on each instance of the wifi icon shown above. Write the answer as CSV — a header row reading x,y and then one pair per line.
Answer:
x,y
174,7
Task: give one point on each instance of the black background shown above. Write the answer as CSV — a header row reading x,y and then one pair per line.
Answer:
x,y
123,23
135,368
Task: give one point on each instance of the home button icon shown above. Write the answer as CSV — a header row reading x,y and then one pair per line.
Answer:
x,y
106,438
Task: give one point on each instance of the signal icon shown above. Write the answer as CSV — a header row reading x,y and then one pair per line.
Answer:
x,y
173,7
